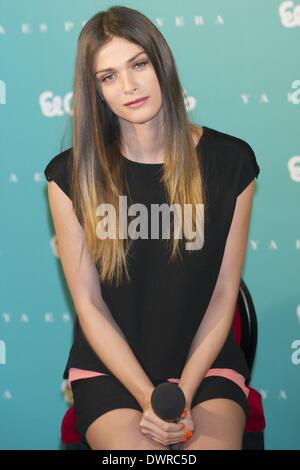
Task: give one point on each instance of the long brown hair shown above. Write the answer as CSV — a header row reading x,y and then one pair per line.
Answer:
x,y
97,165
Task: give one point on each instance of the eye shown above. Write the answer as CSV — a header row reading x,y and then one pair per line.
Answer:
x,y
107,76
143,63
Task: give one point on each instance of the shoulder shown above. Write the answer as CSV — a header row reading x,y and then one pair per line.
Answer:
x,y
229,144
59,162
234,158
58,169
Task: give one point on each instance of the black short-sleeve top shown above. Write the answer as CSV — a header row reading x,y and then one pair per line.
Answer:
x,y
160,310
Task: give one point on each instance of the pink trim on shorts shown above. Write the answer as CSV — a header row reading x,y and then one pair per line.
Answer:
x,y
75,374
230,374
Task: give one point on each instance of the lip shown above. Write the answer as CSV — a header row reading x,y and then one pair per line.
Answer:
x,y
137,101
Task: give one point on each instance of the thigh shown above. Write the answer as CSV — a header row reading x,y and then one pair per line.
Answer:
x,y
219,411
219,425
108,416
119,429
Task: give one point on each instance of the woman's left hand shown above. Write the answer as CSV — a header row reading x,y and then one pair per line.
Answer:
x,y
163,431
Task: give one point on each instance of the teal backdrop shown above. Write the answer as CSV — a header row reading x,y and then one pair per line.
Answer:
x,y
238,62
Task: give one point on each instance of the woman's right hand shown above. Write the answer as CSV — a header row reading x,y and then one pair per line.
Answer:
x,y
162,431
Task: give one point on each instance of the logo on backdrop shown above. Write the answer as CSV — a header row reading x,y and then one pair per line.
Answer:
x,y
54,105
66,392
294,168
54,246
263,98
289,14
295,95
298,312
189,101
2,352
295,358
47,317
2,92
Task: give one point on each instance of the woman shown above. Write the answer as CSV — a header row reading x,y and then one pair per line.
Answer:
x,y
149,308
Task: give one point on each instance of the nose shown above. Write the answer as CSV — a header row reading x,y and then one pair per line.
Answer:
x,y
128,82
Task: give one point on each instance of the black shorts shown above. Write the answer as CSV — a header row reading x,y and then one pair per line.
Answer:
x,y
95,396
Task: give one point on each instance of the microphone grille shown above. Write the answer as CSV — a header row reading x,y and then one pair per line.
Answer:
x,y
168,401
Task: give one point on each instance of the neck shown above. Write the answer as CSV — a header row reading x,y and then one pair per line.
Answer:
x,y
143,142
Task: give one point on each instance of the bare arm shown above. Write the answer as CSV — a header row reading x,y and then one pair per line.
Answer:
x,y
96,321
215,326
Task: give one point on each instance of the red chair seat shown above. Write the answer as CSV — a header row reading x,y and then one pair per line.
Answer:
x,y
256,419
69,434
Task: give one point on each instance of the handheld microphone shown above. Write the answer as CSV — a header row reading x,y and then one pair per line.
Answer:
x,y
168,401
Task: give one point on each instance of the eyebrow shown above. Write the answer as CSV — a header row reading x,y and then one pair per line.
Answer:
x,y
127,62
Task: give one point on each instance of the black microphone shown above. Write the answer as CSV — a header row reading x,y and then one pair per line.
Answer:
x,y
168,401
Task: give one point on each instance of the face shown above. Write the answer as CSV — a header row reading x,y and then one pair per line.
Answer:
x,y
126,80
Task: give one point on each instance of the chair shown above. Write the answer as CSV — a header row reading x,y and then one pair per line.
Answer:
x,y
245,335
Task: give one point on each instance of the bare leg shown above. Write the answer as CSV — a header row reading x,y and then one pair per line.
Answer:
x,y
119,429
219,424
